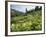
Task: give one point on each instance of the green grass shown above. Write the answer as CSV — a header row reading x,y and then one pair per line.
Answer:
x,y
30,22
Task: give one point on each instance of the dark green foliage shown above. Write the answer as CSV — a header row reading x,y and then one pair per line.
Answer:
x,y
37,8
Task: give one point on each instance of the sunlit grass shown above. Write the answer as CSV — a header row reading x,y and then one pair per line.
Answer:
x,y
29,22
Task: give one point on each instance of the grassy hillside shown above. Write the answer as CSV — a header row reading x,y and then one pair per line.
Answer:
x,y
31,21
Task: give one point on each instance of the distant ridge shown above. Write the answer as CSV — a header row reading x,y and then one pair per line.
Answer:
x,y
16,12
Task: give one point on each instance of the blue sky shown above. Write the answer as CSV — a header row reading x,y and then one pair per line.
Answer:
x,y
22,8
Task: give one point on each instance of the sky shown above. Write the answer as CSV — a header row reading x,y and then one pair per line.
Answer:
x,y
22,8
